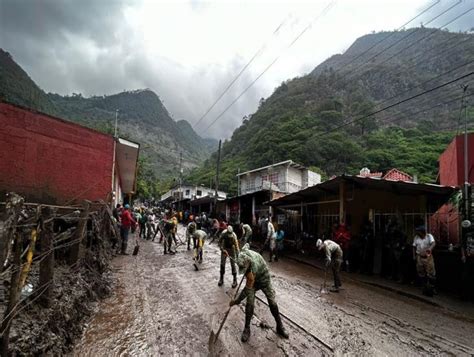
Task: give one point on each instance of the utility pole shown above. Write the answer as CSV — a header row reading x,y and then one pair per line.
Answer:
x,y
218,167
116,120
180,179
238,181
466,158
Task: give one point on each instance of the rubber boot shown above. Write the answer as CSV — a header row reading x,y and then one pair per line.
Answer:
x,y
279,329
245,334
221,281
124,249
234,283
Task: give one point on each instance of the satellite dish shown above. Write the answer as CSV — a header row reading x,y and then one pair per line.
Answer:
x,y
466,223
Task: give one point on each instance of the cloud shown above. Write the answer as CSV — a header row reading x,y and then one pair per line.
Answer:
x,y
186,51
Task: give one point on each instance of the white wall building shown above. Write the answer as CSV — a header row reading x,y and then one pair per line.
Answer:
x,y
191,192
285,177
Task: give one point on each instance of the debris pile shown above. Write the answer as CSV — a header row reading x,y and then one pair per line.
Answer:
x,y
55,264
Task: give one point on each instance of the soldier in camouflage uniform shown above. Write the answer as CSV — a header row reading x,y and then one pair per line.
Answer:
x,y
257,276
199,237
189,234
246,234
229,246
169,228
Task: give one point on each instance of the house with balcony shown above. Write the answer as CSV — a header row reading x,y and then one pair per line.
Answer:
x,y
197,198
261,185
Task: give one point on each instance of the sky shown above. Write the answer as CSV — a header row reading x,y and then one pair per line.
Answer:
x,y
188,52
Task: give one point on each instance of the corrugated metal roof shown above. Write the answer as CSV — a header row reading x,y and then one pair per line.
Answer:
x,y
367,182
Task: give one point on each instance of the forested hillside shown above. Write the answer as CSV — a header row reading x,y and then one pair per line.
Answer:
x,y
321,119
142,117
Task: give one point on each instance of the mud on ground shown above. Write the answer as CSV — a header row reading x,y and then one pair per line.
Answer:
x,y
53,331
161,306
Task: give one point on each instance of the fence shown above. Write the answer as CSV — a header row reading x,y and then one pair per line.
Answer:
x,y
39,239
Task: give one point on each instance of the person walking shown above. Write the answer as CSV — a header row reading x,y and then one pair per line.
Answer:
x,y
423,246
229,246
169,227
280,236
257,276
142,223
334,257
270,241
126,223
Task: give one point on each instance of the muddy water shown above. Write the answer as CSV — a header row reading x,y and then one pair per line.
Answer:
x,y
161,306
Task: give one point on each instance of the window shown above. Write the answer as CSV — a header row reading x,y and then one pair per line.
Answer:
x,y
187,192
198,193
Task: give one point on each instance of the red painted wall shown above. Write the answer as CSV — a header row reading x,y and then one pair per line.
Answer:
x,y
51,160
451,162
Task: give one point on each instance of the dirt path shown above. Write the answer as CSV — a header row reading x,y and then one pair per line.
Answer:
x,y
161,306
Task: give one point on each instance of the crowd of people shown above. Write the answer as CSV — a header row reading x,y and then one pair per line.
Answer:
x,y
158,223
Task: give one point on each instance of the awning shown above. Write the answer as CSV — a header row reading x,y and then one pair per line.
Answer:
x,y
332,187
126,159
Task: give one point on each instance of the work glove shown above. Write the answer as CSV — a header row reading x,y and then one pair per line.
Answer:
x,y
328,262
232,303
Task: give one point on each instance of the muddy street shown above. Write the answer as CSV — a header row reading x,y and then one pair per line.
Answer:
x,y
162,306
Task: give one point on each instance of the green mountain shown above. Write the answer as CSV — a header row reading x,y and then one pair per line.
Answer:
x,y
320,119
142,118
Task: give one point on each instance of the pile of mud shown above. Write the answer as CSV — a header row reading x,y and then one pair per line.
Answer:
x,y
37,330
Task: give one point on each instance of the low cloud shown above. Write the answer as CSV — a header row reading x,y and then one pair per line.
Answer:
x,y
186,51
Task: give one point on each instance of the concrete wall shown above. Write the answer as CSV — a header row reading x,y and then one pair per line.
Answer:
x,y
51,160
451,162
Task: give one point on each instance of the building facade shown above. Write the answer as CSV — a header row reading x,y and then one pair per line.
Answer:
x,y
190,192
285,177
50,160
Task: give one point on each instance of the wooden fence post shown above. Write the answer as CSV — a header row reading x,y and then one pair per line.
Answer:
x,y
75,251
14,205
46,273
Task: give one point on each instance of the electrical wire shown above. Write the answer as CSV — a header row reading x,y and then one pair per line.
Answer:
x,y
396,104
352,72
260,50
387,37
323,13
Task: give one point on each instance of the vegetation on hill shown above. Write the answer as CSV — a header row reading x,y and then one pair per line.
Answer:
x,y
142,118
321,119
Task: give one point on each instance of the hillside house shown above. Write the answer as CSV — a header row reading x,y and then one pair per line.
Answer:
x,y
197,198
51,160
258,186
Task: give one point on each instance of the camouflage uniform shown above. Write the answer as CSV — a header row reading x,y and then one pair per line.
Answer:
x,y
334,258
168,239
228,243
190,233
247,234
199,237
256,271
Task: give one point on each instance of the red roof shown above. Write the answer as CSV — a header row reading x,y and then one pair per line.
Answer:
x,y
397,175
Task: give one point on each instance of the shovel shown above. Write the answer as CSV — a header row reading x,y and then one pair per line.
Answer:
x,y
323,289
137,247
213,337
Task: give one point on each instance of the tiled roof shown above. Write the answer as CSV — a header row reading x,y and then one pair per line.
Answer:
x,y
397,175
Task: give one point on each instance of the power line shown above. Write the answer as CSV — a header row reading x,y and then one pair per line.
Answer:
x,y
388,36
427,81
423,38
324,12
260,50
351,74
398,103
